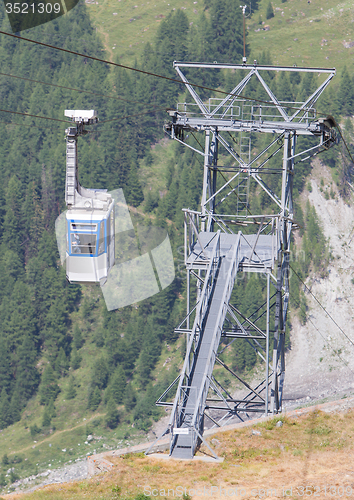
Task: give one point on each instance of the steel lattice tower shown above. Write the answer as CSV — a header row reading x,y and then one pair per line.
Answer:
x,y
216,249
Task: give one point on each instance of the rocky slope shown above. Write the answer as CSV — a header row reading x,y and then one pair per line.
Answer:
x,y
321,361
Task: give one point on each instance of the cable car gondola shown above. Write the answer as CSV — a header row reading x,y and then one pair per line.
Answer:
x,y
90,216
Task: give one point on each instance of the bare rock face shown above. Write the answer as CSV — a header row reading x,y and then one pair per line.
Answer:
x,y
321,357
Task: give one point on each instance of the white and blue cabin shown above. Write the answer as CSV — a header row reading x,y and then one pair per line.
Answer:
x,y
90,216
90,243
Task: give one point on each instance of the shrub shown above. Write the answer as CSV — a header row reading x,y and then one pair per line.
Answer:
x,y
34,429
269,11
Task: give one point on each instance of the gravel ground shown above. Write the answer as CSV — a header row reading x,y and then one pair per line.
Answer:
x,y
73,472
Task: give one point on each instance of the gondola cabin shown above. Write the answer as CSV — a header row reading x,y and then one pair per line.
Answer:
x,y
90,215
90,244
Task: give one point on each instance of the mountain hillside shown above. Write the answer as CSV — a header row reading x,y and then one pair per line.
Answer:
x,y
315,33
69,368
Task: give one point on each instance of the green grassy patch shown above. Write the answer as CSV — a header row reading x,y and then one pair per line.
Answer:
x,y
304,34
127,26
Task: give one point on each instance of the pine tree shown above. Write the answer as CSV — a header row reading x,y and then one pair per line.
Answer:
x,y
151,201
345,94
15,406
21,316
27,376
33,213
148,356
112,415
100,373
76,359
13,226
284,92
46,418
94,399
5,370
238,361
226,31
71,391
5,417
129,398
134,193
48,389
62,363
117,385
306,87
55,328
77,340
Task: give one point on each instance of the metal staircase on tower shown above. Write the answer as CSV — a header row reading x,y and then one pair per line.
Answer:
x,y
218,247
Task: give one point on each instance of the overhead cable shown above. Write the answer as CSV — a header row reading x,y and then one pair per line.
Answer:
x,y
342,137
68,122
86,56
322,307
325,341
174,80
80,90
22,124
34,116
107,62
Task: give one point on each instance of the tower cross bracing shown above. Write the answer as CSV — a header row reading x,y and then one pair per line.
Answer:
x,y
218,245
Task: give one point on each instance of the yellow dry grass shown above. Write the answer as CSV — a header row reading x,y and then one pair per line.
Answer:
x,y
303,458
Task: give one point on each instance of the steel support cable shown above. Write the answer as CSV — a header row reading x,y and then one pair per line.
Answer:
x,y
34,116
201,147
81,91
86,56
127,116
140,71
344,141
322,307
324,339
233,139
21,124
65,121
174,80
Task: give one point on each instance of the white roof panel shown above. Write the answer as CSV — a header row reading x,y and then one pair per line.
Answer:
x,y
79,115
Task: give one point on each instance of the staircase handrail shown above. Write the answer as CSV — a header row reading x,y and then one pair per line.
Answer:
x,y
198,320
201,398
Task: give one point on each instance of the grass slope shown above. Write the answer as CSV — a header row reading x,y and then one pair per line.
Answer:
x,y
318,34
312,451
315,33
127,25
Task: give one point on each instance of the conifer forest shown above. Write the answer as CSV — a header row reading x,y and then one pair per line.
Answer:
x,y
58,342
